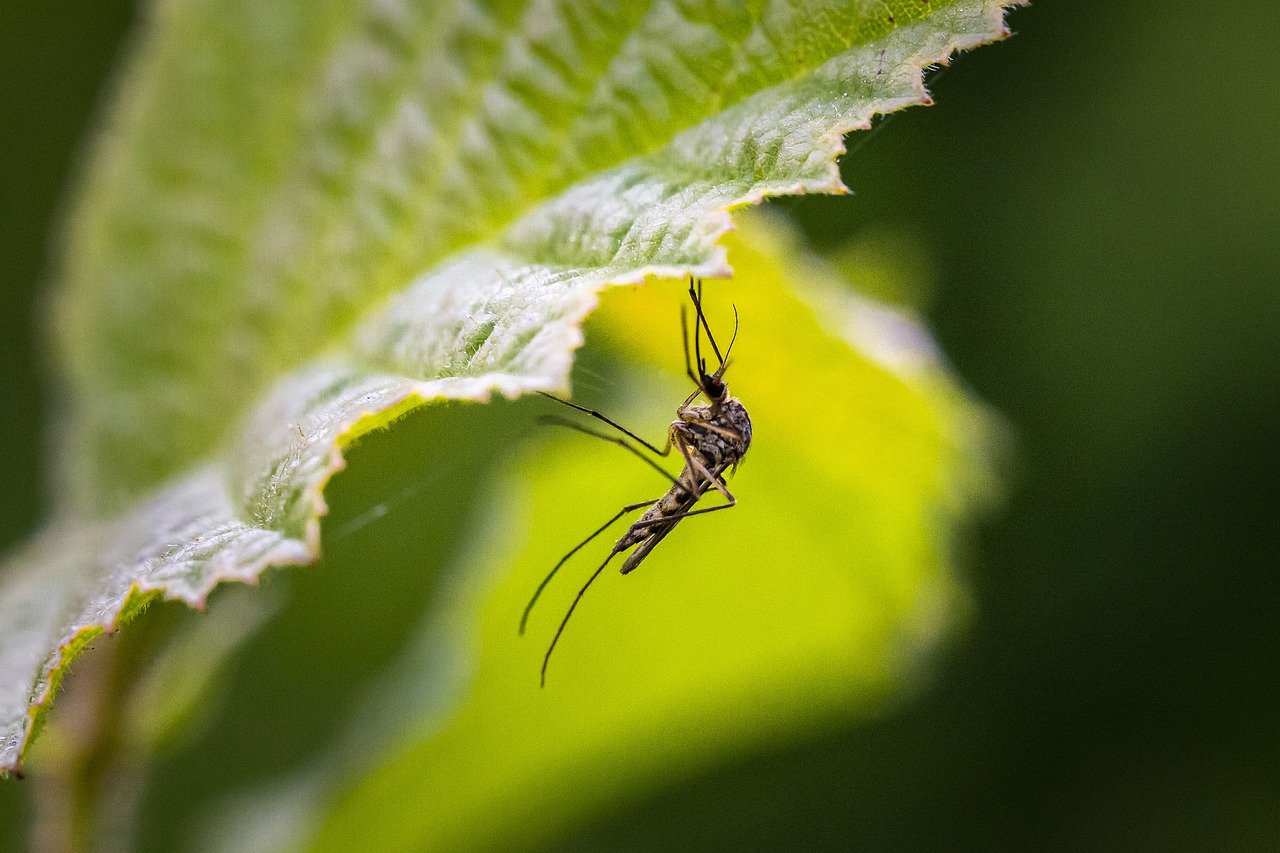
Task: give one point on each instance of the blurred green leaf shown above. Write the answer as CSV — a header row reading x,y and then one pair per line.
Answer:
x,y
306,218
812,600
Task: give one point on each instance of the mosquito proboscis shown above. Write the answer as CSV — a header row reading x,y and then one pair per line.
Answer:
x,y
711,438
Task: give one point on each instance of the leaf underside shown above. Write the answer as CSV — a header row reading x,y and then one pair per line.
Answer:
x,y
305,219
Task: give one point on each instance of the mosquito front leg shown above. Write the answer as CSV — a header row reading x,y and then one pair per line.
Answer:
x,y
524,619
612,439
682,411
666,449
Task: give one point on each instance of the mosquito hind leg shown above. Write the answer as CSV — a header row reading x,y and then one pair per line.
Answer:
x,y
524,619
572,607
640,525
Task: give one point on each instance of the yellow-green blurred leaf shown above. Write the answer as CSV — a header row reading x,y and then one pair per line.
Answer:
x,y
810,601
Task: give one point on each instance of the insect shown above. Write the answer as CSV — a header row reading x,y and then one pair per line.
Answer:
x,y
711,438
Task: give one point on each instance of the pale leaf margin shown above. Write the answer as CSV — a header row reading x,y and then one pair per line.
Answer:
x,y
502,318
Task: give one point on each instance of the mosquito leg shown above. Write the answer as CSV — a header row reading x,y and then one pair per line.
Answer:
x,y
712,479
683,410
619,427
524,619
688,365
640,525
574,606
612,439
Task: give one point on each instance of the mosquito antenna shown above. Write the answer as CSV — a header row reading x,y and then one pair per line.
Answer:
x,y
565,621
684,336
724,365
697,333
697,303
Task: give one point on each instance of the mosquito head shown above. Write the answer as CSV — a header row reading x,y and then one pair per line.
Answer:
x,y
711,383
713,386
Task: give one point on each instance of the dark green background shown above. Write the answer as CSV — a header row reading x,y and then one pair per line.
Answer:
x,y
1100,197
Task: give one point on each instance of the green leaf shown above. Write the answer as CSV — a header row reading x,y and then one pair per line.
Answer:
x,y
306,218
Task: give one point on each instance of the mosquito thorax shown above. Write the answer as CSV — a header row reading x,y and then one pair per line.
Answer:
x,y
733,414
705,426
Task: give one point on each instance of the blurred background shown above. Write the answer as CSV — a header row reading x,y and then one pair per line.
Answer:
x,y
1099,200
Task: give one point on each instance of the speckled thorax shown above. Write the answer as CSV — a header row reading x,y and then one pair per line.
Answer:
x,y
717,447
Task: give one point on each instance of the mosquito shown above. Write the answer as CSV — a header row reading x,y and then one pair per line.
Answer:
x,y
711,438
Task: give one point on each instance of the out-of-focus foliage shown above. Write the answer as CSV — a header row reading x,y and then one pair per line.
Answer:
x,y
812,600
305,219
